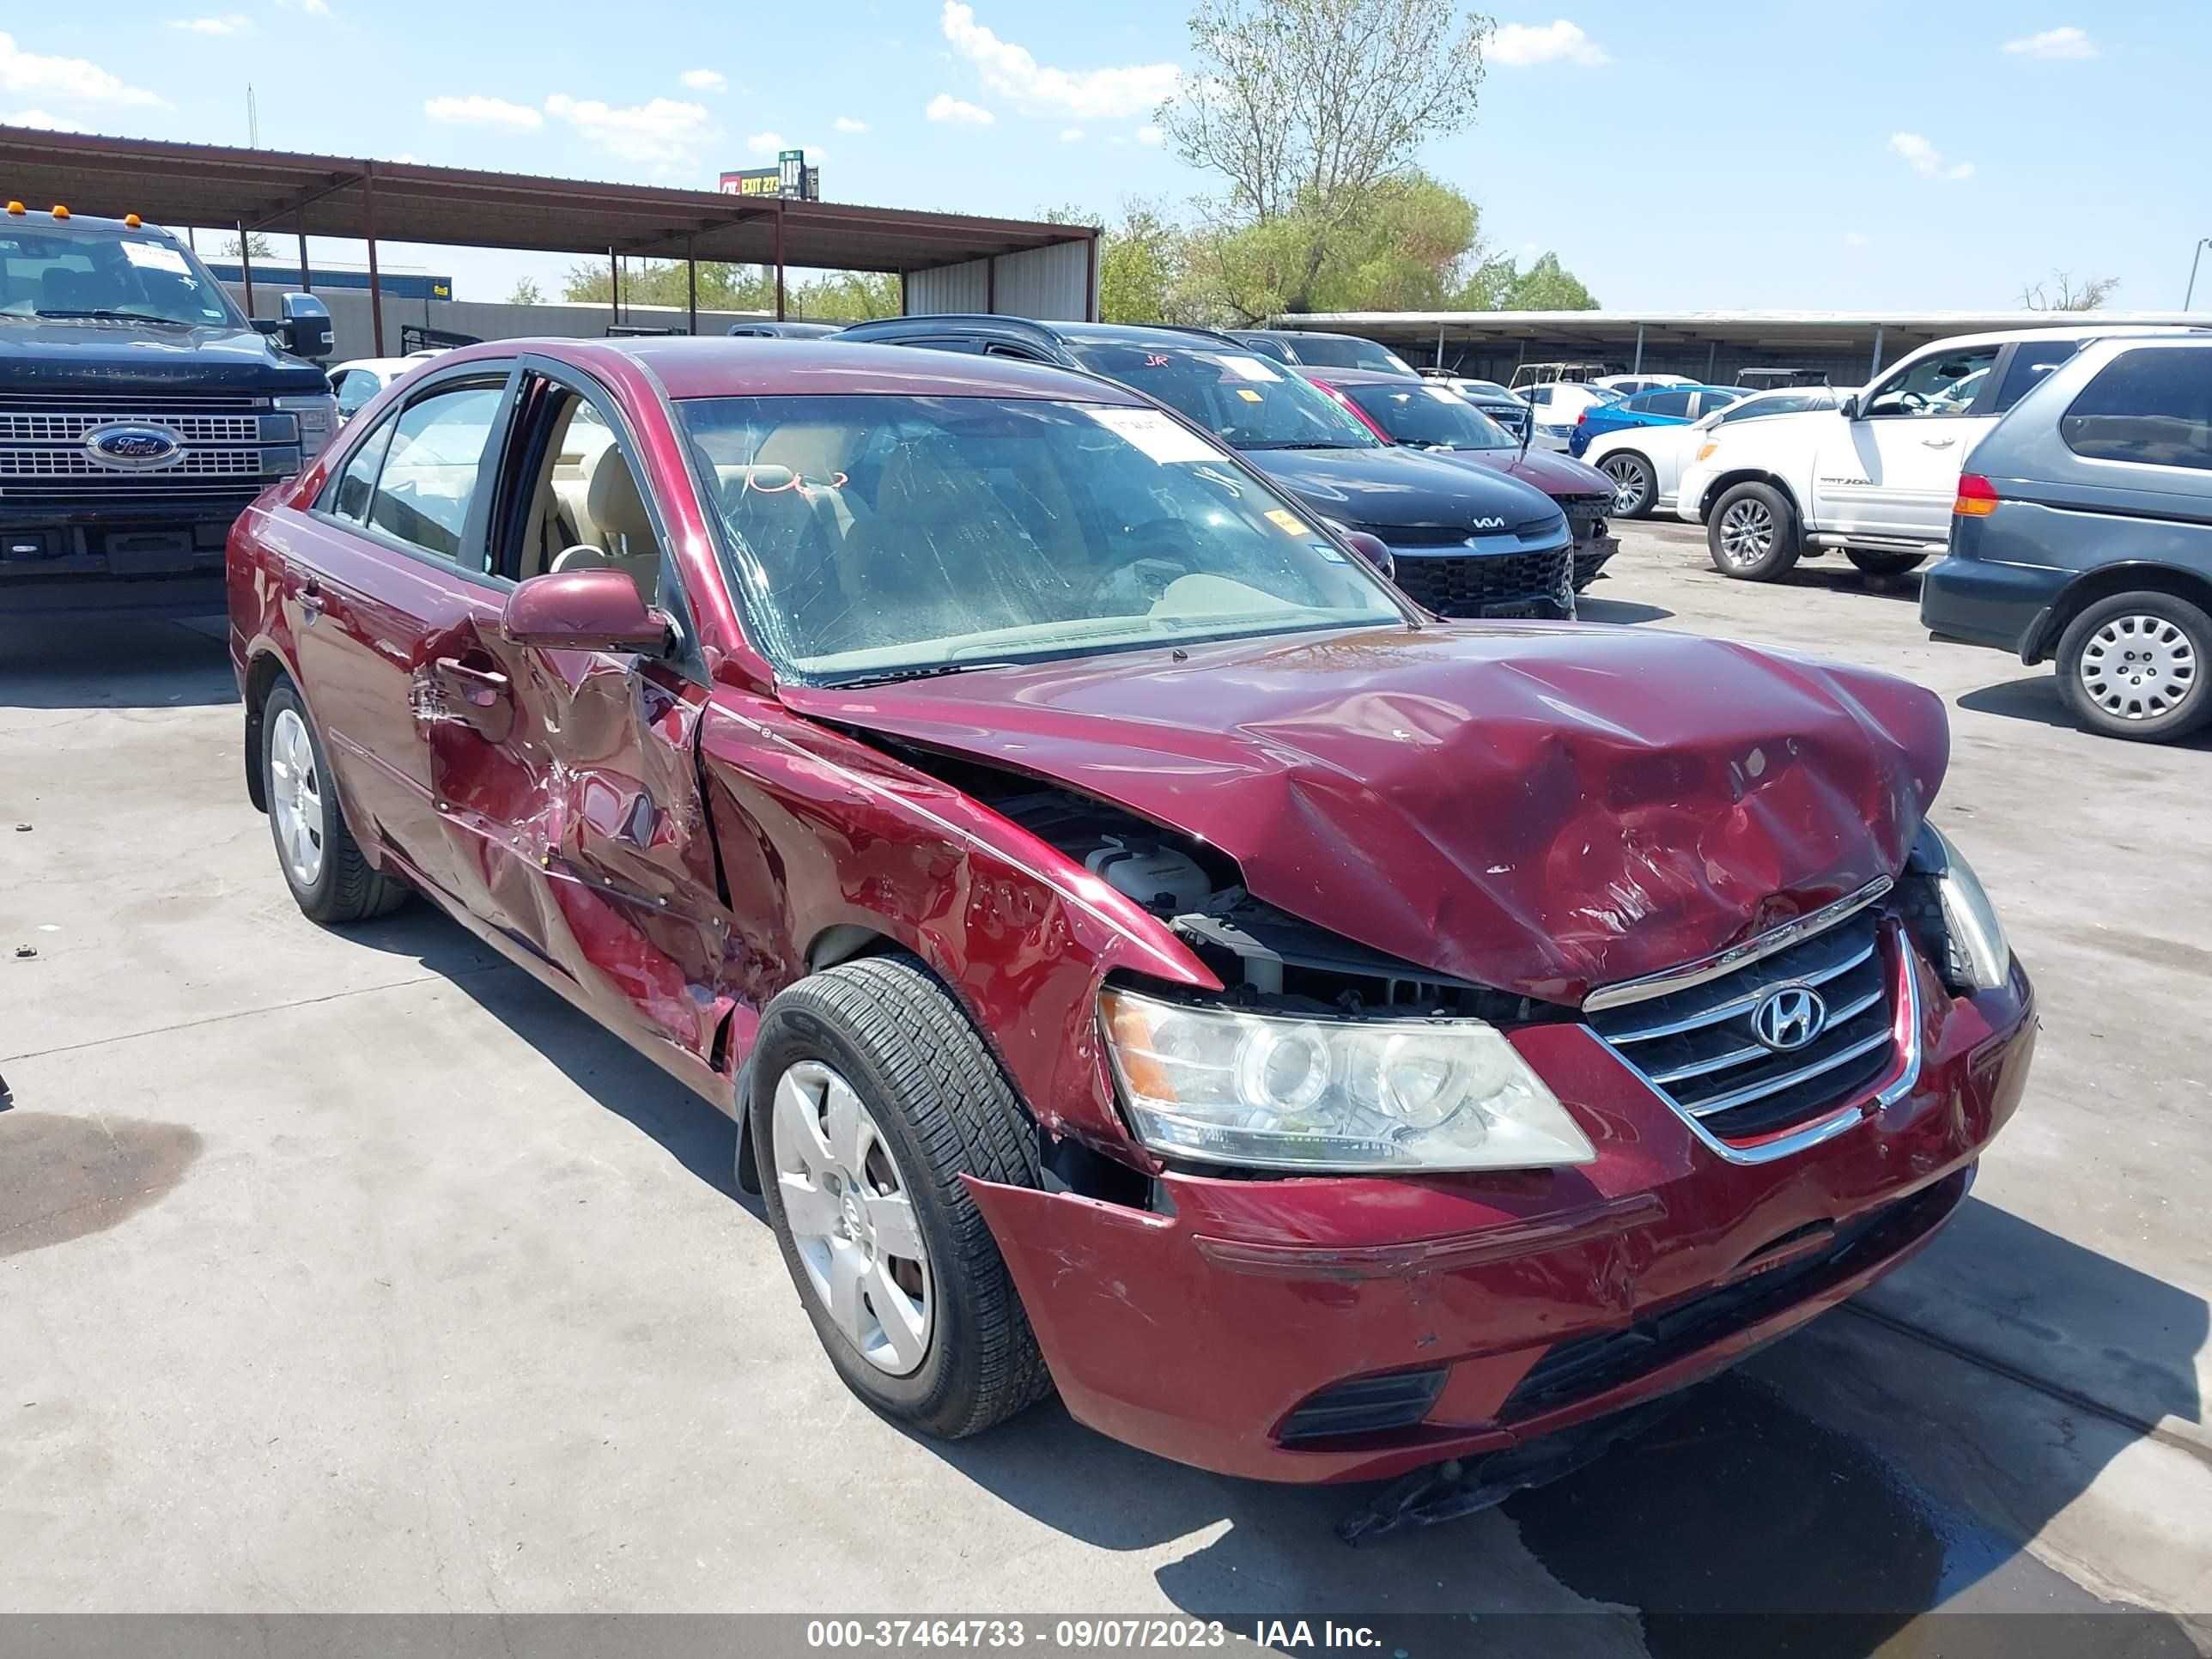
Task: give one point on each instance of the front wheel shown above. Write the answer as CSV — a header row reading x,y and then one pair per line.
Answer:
x,y
1635,486
1885,564
2133,667
1751,533
872,1095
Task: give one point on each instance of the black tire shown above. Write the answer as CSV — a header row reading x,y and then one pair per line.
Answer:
x,y
944,1107
2098,679
345,887
1743,550
1630,472
1885,564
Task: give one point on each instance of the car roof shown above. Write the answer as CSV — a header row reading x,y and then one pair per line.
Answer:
x,y
1356,376
719,366
1142,334
2084,329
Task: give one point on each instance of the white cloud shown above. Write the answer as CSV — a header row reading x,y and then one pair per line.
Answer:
x,y
38,118
1523,46
1855,238
662,133
1071,135
1035,89
1149,135
75,80
474,110
312,8
766,144
1924,159
2068,42
945,108
704,80
231,23
847,124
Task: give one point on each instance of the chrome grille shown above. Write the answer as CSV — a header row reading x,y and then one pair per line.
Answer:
x,y
1698,1047
58,426
76,463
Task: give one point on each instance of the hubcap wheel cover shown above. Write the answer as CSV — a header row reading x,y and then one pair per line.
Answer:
x,y
295,797
848,1207
1627,483
1746,532
2138,668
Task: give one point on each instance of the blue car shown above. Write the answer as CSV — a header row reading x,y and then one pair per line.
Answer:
x,y
1666,405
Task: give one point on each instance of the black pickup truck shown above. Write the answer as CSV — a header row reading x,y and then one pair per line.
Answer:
x,y
140,411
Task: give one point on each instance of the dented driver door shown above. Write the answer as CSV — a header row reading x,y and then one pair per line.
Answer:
x,y
575,776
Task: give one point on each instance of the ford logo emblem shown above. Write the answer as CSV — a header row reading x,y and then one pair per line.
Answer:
x,y
134,448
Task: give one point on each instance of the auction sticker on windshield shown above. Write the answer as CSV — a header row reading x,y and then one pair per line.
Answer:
x,y
1164,440
1248,368
154,256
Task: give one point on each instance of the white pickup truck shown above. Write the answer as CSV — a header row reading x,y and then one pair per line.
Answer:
x,y
1876,476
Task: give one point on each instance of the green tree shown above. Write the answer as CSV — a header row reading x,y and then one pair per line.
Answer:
x,y
1499,284
843,296
257,247
525,293
662,282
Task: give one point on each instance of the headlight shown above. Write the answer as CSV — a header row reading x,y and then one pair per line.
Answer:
x,y
318,417
1981,958
1225,1086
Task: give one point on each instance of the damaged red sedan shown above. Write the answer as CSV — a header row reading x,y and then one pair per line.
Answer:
x,y
1149,956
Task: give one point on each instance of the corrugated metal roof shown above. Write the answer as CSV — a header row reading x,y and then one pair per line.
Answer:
x,y
280,191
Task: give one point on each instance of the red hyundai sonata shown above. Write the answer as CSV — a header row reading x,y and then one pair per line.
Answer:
x,y
1148,957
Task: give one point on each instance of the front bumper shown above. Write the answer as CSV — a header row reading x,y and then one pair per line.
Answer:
x,y
1590,555
1984,603
1514,1306
146,556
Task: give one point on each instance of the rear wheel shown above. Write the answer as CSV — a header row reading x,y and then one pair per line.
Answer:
x,y
873,1095
2133,665
1751,533
1885,564
1635,488
331,878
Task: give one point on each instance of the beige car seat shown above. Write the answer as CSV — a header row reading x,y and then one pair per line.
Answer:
x,y
620,525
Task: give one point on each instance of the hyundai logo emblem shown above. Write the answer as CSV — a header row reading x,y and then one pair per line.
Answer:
x,y
1788,1017
134,448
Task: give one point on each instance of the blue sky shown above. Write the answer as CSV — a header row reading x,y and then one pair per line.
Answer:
x,y
1877,155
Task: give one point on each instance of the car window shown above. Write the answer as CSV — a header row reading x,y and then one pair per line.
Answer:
x,y
432,469
1426,414
60,270
349,497
354,388
2148,406
884,535
1707,402
1943,383
2032,361
1245,400
1773,403
1661,403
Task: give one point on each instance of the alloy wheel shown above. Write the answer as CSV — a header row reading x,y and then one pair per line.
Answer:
x,y
1627,477
2138,668
295,797
1746,532
852,1217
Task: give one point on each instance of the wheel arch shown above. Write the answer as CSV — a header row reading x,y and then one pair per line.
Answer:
x,y
2132,576
264,667
1723,482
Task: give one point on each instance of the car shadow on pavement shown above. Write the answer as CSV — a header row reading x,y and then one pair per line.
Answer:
x,y
693,1131
1594,607
114,662
2036,698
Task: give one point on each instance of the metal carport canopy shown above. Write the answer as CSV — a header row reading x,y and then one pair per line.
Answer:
x,y
215,185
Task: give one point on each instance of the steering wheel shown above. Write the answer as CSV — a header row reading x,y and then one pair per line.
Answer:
x,y
1913,400
1149,550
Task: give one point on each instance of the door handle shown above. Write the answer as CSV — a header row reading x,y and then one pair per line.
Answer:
x,y
311,598
1939,443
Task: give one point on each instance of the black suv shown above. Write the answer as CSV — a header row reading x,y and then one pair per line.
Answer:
x,y
1465,542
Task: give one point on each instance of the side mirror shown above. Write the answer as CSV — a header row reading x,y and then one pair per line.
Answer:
x,y
305,330
1370,548
596,609
1849,408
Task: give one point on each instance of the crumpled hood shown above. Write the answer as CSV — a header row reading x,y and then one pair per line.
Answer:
x,y
1539,808
1397,489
